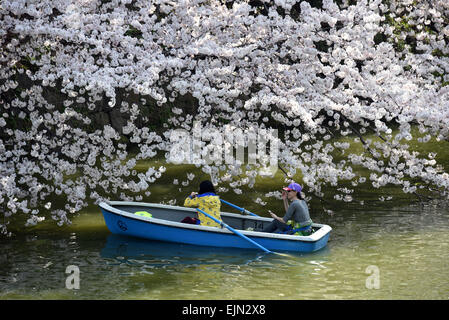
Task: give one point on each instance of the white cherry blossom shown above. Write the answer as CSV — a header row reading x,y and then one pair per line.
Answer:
x,y
371,73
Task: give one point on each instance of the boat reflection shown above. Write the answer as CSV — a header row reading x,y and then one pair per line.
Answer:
x,y
134,250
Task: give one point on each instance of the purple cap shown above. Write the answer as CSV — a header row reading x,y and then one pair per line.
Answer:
x,y
293,186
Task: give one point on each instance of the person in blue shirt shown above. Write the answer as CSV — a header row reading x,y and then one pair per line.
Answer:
x,y
297,218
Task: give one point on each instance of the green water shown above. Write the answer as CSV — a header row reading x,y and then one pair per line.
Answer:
x,y
407,245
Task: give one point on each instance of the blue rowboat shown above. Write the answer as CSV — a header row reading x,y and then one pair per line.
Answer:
x,y
163,223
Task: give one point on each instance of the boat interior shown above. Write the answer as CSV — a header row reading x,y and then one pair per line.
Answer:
x,y
177,214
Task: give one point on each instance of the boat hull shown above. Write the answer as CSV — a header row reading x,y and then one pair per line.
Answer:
x,y
125,223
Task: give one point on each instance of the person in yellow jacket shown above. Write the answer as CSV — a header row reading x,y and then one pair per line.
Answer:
x,y
206,200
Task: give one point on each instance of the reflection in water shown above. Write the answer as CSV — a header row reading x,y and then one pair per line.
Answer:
x,y
159,253
409,246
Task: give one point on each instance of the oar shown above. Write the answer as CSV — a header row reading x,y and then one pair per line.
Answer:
x,y
242,210
235,231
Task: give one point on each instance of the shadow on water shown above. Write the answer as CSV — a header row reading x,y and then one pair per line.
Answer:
x,y
122,249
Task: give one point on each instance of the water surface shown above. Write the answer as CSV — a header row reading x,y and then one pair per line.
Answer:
x,y
407,245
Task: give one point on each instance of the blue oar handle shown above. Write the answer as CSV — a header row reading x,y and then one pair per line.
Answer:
x,y
242,210
234,231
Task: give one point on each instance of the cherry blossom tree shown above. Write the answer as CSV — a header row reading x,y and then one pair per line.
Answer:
x,y
85,86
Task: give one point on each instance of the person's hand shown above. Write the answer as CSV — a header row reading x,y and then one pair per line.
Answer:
x,y
284,195
272,214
